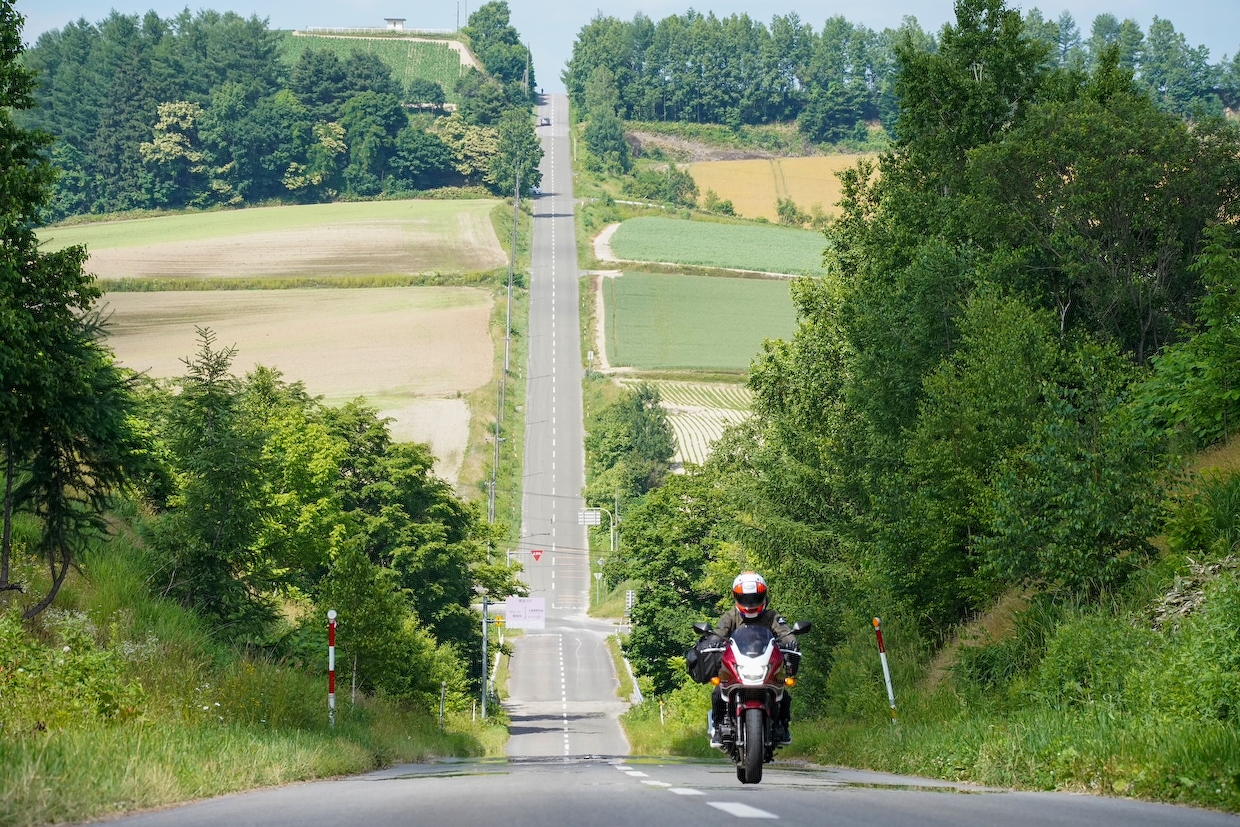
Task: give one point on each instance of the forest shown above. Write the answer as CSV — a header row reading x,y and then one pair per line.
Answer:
x,y
198,110
1027,332
736,70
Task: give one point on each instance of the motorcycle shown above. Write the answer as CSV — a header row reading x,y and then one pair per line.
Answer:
x,y
753,677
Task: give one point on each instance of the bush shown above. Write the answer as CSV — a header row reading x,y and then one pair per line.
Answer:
x,y
1198,675
70,682
1091,659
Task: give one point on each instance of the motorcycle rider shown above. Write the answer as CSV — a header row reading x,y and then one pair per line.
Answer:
x,y
752,598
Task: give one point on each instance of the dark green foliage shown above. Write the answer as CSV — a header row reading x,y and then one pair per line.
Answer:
x,y
672,185
735,70
609,151
499,47
966,406
628,446
426,93
1207,523
67,442
518,156
421,160
198,110
1194,391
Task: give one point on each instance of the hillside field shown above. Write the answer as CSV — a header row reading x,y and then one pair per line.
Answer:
x,y
672,322
414,352
754,186
342,239
408,57
709,244
698,412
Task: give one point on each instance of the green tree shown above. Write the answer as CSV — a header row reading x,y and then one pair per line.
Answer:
x,y
604,136
518,154
421,159
426,92
65,429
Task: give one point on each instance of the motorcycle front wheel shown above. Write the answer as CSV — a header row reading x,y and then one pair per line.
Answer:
x,y
755,745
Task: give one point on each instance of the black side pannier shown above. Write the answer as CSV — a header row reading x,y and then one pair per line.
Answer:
x,y
705,657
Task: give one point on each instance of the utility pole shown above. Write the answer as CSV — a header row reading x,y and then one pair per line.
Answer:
x,y
484,656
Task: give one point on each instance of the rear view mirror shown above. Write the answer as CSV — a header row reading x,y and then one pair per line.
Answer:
x,y
801,627
701,628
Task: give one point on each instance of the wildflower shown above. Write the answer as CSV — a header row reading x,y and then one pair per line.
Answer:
x,y
205,708
66,649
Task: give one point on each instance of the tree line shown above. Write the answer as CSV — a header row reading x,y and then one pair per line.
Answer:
x,y
736,70
253,503
1029,319
198,110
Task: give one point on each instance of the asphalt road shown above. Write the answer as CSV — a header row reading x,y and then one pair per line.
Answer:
x,y
562,686
584,792
567,759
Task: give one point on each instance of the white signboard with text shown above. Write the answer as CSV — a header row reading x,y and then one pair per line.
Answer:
x,y
525,612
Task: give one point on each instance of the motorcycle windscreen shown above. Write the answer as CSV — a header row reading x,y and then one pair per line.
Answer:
x,y
752,640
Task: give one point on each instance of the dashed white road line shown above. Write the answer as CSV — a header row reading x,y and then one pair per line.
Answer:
x,y
740,810
685,791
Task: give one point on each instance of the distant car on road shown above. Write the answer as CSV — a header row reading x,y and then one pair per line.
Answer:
x,y
544,121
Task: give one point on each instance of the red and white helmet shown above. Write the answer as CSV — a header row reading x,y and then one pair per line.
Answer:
x,y
749,589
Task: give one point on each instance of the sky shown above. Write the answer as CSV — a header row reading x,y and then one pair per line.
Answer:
x,y
550,26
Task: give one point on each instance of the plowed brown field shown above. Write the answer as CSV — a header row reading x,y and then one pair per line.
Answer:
x,y
413,351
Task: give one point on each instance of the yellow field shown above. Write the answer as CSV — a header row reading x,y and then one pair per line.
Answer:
x,y
754,186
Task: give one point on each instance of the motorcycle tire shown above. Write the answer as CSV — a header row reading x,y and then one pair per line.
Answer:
x,y
755,745
740,773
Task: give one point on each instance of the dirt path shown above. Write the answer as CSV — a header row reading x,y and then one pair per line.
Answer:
x,y
600,329
604,252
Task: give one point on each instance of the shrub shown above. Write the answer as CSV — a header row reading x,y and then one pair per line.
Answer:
x,y
1091,659
72,682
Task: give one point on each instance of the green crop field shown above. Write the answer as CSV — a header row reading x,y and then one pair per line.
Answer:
x,y
409,57
708,244
321,240
669,322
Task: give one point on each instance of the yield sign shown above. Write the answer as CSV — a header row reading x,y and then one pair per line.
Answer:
x,y
537,553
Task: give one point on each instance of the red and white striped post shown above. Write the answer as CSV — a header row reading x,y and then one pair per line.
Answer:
x,y
331,667
882,656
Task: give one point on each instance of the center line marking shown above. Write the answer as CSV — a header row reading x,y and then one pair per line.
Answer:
x,y
685,791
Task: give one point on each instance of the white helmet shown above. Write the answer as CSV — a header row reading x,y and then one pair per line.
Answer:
x,y
749,590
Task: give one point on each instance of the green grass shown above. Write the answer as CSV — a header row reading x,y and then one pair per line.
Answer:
x,y
714,244
437,216
145,709
729,397
660,322
408,57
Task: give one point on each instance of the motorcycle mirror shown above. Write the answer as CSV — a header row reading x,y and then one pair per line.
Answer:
x,y
801,627
701,628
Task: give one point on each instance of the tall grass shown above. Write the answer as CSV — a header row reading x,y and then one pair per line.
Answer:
x,y
117,700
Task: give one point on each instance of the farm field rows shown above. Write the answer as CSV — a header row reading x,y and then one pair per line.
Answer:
x,y
710,244
346,239
414,352
680,322
408,57
698,413
754,186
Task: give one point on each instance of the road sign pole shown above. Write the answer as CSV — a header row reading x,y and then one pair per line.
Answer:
x,y
882,656
331,667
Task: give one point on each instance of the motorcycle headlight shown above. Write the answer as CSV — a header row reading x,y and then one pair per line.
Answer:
x,y
753,672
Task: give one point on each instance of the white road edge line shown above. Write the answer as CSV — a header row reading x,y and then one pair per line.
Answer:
x,y
636,773
740,810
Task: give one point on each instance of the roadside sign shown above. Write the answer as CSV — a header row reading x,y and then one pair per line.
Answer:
x,y
536,554
525,612
590,516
